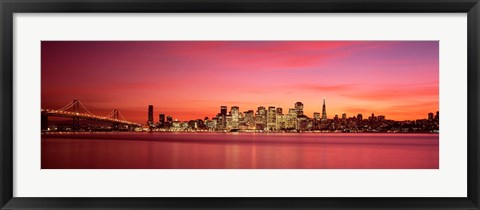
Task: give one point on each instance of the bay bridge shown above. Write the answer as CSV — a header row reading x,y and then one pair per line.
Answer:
x,y
77,111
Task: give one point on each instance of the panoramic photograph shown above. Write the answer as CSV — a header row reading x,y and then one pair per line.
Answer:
x,y
240,105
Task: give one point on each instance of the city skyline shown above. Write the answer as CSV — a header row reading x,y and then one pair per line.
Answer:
x,y
188,79
155,114
271,118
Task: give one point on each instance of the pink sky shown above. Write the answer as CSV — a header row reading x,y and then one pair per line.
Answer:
x,y
192,79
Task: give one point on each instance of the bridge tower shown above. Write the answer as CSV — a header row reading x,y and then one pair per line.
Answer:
x,y
76,120
115,125
44,121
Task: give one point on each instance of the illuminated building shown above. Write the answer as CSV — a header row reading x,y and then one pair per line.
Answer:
x,y
161,120
335,118
192,124
299,108
220,121
291,119
229,122
280,121
344,117
261,118
169,121
150,116
437,116
223,113
249,119
316,121
271,123
176,125
213,126
223,110
302,124
324,111
235,117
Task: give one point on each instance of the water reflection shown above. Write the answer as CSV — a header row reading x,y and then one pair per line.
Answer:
x,y
238,151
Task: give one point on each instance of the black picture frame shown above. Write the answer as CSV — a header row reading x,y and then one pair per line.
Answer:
x,y
9,7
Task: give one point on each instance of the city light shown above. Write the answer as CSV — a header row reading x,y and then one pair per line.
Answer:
x,y
272,119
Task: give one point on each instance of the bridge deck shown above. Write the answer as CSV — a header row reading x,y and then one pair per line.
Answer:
x,y
50,112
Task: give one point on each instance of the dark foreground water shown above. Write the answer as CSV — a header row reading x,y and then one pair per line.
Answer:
x,y
239,151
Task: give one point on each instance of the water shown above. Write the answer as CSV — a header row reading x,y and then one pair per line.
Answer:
x,y
239,151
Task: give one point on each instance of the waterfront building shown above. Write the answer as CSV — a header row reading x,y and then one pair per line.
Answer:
x,y
299,108
150,122
261,118
213,125
229,122
271,122
223,112
249,119
221,122
235,117
302,124
291,119
324,111
161,120
280,121
177,125
169,121
316,121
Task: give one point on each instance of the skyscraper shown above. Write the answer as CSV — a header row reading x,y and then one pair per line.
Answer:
x,y
324,111
223,116
316,121
169,121
150,116
261,118
291,119
223,110
271,124
299,108
249,119
161,120
235,115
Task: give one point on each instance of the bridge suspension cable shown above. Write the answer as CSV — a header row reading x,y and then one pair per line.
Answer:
x,y
84,108
68,106
121,116
110,115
